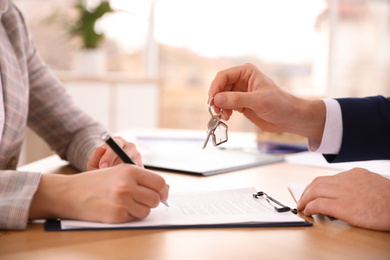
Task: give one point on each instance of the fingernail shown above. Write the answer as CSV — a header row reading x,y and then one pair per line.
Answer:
x,y
219,100
104,165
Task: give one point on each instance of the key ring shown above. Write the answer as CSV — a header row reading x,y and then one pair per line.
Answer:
x,y
211,113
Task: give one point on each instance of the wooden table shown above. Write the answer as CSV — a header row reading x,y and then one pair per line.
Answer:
x,y
326,239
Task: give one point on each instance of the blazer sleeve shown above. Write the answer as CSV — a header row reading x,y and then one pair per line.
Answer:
x,y
55,117
366,129
51,113
16,192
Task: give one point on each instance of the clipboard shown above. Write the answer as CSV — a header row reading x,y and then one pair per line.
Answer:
x,y
186,156
215,209
55,225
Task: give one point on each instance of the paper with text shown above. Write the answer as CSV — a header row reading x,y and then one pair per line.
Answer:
x,y
236,206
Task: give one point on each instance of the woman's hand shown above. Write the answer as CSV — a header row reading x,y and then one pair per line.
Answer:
x,y
104,156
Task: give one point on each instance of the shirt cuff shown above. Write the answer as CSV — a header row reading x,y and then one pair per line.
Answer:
x,y
333,130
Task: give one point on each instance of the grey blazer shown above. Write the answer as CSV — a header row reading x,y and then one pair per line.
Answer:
x,y
33,97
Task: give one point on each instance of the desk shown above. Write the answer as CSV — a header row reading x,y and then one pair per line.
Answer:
x,y
326,239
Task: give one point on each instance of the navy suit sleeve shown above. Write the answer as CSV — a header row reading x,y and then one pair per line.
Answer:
x,y
366,129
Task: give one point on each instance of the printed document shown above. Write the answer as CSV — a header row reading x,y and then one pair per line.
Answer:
x,y
192,209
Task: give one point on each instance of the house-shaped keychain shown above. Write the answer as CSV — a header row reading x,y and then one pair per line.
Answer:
x,y
220,134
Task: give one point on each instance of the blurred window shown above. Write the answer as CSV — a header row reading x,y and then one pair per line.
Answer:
x,y
312,48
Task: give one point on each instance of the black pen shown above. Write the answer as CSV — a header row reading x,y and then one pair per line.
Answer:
x,y
116,148
119,151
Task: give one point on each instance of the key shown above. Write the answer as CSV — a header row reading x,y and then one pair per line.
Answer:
x,y
219,134
211,125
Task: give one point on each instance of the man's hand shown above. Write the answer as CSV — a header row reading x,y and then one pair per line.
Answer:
x,y
248,90
357,196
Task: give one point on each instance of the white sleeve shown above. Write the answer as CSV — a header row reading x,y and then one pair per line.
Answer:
x,y
333,131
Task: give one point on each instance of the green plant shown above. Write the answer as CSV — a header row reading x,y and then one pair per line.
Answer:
x,y
85,25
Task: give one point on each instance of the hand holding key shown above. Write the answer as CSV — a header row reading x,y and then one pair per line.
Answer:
x,y
216,129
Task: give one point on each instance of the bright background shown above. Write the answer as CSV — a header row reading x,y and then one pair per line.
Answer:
x,y
161,55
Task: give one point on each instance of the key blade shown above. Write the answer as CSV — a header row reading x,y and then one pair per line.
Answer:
x,y
211,125
205,144
207,139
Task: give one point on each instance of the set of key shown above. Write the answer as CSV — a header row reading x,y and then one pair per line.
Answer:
x,y
216,129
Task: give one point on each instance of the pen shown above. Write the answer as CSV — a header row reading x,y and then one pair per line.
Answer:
x,y
116,148
119,151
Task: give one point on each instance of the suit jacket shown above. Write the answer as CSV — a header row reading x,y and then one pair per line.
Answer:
x,y
366,129
34,97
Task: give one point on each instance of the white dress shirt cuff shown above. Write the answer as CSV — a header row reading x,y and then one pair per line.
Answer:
x,y
333,130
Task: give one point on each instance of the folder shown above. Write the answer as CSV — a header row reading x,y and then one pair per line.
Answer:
x,y
213,209
186,156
